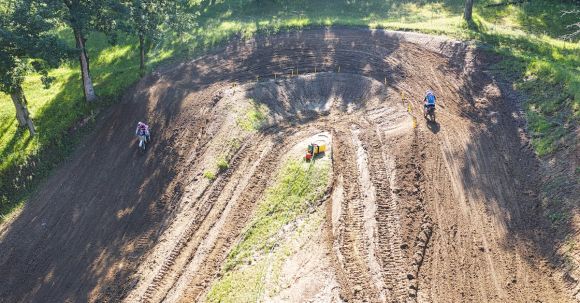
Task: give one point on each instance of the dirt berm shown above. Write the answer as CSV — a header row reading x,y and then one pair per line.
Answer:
x,y
428,212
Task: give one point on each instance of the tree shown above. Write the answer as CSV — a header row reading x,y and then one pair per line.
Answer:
x,y
83,16
575,27
182,16
467,13
26,46
145,20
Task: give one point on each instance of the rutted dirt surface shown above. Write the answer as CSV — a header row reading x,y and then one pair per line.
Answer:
x,y
418,212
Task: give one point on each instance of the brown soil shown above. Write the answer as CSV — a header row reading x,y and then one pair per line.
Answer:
x,y
440,212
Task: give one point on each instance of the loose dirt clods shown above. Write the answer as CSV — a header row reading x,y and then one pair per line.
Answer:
x,y
410,211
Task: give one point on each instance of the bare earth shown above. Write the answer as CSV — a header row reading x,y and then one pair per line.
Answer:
x,y
417,211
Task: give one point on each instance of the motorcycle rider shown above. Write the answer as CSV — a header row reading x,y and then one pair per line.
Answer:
x,y
429,101
143,130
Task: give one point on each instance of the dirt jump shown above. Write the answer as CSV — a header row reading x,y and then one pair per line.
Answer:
x,y
416,211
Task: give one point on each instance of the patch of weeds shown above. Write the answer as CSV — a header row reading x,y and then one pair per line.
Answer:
x,y
245,285
555,185
557,217
235,143
222,163
209,175
253,119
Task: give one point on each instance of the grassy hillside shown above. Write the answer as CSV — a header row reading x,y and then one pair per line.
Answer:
x,y
540,64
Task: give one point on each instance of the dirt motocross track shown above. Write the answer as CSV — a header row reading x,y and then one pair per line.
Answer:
x,y
427,212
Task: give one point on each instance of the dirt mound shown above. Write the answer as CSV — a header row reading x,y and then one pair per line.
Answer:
x,y
417,211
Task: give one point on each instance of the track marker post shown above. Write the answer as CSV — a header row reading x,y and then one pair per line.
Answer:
x,y
339,68
409,110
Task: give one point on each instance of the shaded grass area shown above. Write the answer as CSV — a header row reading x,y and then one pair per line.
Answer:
x,y
61,115
298,186
526,35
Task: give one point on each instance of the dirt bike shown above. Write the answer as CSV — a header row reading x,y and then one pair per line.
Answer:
x,y
429,113
143,140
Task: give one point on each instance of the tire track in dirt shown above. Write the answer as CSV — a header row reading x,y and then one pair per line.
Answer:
x,y
425,231
371,195
387,216
349,243
201,245
169,265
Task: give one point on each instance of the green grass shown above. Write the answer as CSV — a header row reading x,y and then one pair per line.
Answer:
x,y
253,119
222,163
297,187
209,175
540,64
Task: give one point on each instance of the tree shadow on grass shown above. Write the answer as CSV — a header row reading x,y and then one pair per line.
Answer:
x,y
539,17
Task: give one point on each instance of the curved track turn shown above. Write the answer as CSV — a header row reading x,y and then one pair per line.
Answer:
x,y
428,212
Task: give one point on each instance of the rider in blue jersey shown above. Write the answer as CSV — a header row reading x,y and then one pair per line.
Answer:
x,y
429,100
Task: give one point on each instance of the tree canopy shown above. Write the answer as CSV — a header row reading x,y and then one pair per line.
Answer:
x,y
28,43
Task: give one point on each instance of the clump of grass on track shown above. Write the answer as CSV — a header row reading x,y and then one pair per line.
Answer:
x,y
298,186
254,117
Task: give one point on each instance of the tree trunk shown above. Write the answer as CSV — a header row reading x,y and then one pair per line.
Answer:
x,y
142,50
468,10
22,113
88,88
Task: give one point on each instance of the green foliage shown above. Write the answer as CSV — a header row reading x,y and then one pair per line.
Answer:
x,y
27,44
209,175
144,19
222,163
234,143
254,117
557,217
83,16
246,285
